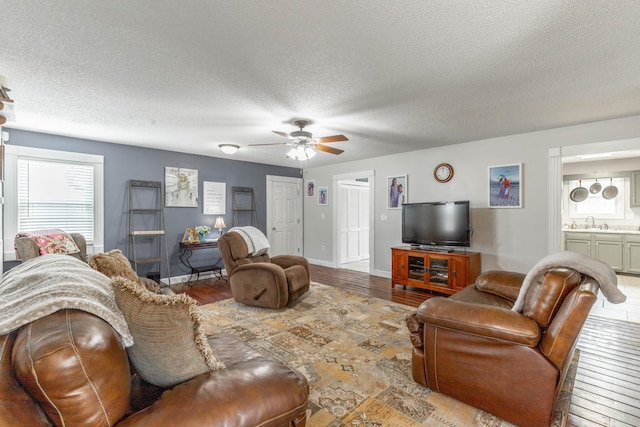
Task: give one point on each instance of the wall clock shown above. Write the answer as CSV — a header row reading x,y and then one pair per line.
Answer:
x,y
443,172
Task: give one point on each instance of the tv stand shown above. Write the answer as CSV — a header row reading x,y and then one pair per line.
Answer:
x,y
432,249
446,271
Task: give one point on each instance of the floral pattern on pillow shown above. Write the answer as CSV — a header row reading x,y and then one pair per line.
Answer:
x,y
52,241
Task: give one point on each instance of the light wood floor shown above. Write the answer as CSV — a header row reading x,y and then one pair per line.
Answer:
x,y
607,387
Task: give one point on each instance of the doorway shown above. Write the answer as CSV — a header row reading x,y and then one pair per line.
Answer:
x,y
353,229
353,209
618,149
284,219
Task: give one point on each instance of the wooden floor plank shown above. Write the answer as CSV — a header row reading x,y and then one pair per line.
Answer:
x,y
607,385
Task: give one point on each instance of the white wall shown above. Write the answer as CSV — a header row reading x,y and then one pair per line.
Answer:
x,y
508,239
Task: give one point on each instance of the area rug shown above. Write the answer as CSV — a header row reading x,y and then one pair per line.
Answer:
x,y
356,353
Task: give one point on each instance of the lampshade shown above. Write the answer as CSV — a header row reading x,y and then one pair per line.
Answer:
x,y
219,225
301,153
229,149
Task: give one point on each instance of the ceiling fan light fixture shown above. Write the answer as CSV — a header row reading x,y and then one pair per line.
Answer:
x,y
229,148
301,153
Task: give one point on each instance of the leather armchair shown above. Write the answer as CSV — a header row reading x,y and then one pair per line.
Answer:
x,y
474,348
261,280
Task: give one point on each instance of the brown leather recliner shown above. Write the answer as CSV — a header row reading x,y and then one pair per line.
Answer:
x,y
70,368
262,281
473,347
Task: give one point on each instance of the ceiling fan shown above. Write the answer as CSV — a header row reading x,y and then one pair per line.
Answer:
x,y
304,143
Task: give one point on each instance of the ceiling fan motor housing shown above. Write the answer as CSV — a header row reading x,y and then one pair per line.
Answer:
x,y
301,134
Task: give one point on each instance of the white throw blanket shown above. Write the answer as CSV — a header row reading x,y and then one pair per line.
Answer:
x,y
601,272
49,283
256,241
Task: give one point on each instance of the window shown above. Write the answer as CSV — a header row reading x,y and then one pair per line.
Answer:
x,y
53,189
595,204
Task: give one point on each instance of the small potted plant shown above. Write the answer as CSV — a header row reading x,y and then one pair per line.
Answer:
x,y
202,231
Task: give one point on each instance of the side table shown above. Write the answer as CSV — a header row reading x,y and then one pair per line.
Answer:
x,y
185,252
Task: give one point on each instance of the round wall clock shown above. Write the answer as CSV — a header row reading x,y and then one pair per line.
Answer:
x,y
443,172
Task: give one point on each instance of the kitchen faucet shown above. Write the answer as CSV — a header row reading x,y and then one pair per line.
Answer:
x,y
593,221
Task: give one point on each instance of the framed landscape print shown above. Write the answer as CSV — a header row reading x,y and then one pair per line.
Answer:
x,y
505,186
181,187
397,188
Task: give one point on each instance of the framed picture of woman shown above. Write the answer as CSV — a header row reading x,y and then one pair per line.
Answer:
x,y
505,186
311,188
397,188
323,195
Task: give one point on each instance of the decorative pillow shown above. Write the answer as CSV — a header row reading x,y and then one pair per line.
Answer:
x,y
112,264
170,345
51,241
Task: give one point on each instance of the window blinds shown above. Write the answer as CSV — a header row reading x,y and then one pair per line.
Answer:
x,y
56,194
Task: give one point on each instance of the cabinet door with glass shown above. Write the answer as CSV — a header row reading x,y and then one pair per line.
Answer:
x,y
439,272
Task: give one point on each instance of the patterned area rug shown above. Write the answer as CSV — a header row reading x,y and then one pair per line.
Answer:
x,y
356,353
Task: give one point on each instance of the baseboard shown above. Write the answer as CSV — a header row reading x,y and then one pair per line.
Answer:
x,y
321,263
185,278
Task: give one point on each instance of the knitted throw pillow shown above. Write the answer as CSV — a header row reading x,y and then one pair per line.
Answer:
x,y
170,345
112,264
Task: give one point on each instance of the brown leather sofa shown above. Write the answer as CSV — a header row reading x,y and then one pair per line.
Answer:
x,y
261,280
474,348
70,368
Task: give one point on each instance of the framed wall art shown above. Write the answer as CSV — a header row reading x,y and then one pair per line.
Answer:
x,y
214,198
311,188
505,186
181,187
397,188
323,196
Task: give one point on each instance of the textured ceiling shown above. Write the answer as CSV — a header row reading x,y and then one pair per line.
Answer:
x,y
391,76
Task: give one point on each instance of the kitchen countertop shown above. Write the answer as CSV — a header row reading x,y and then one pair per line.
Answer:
x,y
599,231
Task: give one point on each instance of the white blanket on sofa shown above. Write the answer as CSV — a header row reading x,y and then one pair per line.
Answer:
x,y
601,272
49,283
256,241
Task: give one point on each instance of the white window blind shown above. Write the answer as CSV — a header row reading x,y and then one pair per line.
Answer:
x,y
47,189
56,194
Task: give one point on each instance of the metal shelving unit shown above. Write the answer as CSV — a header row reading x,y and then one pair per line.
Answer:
x,y
146,226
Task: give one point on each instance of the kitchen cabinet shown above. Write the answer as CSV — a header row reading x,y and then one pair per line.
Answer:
x,y
632,253
608,249
578,242
635,189
619,250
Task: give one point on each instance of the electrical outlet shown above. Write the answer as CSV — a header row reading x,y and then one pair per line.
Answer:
x,y
322,247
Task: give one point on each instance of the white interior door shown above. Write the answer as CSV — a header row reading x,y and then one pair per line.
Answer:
x,y
284,215
354,221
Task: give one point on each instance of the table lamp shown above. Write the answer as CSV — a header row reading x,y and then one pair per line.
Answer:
x,y
219,225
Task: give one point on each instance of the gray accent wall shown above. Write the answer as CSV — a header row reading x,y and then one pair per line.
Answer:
x,y
124,162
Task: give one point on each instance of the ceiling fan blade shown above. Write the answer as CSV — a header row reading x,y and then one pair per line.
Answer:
x,y
286,135
328,149
334,138
273,143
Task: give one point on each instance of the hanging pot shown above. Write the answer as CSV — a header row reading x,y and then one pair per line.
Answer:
x,y
610,192
595,187
579,194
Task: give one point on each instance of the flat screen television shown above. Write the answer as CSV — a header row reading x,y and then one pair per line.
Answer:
x,y
436,225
